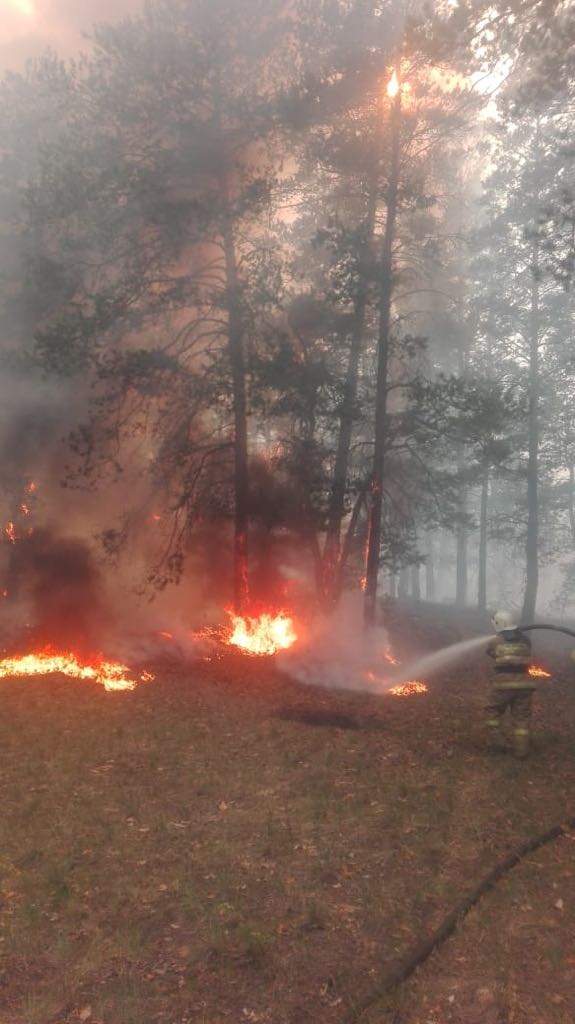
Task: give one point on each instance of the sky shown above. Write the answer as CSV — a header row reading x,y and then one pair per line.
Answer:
x,y
29,27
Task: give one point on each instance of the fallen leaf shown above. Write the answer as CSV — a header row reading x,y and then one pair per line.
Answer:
x,y
222,806
86,1013
184,952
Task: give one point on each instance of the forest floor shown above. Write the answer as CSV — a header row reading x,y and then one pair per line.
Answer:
x,y
224,846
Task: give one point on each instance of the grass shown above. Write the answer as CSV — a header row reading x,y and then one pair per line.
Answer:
x,y
190,853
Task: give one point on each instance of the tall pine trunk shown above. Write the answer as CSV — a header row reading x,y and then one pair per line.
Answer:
x,y
238,368
461,562
430,571
386,292
482,556
572,503
532,540
415,583
333,553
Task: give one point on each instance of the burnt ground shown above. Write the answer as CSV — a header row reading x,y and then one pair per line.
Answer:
x,y
223,845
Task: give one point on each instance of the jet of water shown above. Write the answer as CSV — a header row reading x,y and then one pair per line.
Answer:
x,y
433,662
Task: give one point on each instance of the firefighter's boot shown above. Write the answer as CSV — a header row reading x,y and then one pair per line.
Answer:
x,y
521,743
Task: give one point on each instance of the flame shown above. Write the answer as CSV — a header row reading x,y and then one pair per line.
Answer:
x,y
30,487
408,689
10,531
264,634
167,636
24,509
393,86
539,673
111,674
390,657
157,518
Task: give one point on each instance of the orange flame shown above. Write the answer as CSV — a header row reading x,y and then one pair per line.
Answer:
x,y
30,487
408,689
393,86
112,675
24,509
539,673
264,634
10,531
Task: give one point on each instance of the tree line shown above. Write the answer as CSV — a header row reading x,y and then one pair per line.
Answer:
x,y
304,288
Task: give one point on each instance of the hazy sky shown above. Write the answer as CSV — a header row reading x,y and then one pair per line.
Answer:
x,y
28,27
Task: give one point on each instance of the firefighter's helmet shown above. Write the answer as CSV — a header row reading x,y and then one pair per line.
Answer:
x,y
502,619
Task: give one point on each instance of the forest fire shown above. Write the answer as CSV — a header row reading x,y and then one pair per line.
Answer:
x,y
262,634
110,674
536,672
409,689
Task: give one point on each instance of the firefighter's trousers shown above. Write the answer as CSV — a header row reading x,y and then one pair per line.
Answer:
x,y
519,701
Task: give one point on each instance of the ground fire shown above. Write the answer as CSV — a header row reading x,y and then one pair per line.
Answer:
x,y
257,635
263,634
110,674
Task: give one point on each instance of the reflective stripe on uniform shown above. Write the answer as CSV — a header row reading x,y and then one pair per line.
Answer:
x,y
494,723
519,731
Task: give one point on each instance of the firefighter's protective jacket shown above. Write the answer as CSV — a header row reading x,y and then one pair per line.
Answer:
x,y
511,651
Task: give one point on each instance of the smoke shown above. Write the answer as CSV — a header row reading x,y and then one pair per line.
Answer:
x,y
338,653
54,584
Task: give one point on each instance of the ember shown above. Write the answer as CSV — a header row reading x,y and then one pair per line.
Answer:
x,y
408,689
110,674
263,634
537,672
390,657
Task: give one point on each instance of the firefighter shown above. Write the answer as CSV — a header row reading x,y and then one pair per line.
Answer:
x,y
512,685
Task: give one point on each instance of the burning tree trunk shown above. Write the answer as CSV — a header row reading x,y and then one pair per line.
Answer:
x,y
531,547
386,293
237,361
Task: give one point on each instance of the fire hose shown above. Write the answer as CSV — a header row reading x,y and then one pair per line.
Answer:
x,y
406,967
555,629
